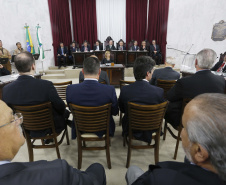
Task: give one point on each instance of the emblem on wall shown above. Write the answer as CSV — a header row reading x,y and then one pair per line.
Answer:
x,y
219,31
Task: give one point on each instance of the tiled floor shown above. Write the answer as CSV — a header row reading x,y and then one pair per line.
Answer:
x,y
115,176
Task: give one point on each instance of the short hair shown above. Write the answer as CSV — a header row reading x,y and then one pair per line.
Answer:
x,y
91,66
206,58
141,66
17,43
24,61
207,127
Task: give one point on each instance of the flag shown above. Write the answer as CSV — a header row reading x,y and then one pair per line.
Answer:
x,y
40,46
30,46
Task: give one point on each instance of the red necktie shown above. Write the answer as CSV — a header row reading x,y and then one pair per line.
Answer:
x,y
221,67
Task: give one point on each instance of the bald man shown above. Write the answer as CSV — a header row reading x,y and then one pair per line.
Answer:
x,y
204,143
57,172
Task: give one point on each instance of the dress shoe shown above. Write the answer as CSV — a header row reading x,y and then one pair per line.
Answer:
x,y
73,67
59,67
47,141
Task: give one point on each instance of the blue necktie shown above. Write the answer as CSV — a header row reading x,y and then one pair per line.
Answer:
x,y
62,51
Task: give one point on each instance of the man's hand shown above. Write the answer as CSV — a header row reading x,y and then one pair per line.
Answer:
x,y
155,52
58,55
1,66
65,55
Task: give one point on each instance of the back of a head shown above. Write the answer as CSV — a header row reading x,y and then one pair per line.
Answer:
x,y
91,66
206,58
207,127
24,61
141,66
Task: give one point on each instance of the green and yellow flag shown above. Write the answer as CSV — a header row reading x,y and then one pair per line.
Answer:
x,y
30,46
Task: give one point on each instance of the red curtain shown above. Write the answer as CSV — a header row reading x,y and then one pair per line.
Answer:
x,y
157,23
84,21
60,23
136,20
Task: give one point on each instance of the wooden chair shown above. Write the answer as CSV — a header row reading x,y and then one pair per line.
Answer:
x,y
37,118
117,44
145,118
106,42
179,128
89,120
123,83
166,85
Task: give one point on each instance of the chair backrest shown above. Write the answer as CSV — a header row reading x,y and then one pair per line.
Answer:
x,y
100,44
106,42
166,85
61,88
146,117
91,119
36,117
117,43
123,83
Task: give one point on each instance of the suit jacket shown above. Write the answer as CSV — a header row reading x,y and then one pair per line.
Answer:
x,y
137,48
124,48
83,48
72,50
4,71
104,61
100,47
176,173
112,47
140,92
152,49
27,90
56,172
102,78
92,93
146,48
59,51
166,73
189,87
218,65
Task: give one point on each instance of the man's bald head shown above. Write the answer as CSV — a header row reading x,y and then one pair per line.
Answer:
x,y
24,62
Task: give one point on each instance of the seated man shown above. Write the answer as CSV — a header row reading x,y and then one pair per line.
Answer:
x,y
97,46
73,49
92,93
85,47
57,172
203,140
144,46
19,49
140,92
203,81
4,53
110,46
3,71
220,66
27,90
61,54
121,46
155,52
135,47
166,73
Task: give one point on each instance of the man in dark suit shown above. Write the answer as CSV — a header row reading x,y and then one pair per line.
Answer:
x,y
85,47
155,52
102,78
92,93
97,46
135,47
140,92
110,46
203,140
61,54
27,90
3,71
166,73
203,81
73,49
220,66
121,46
57,172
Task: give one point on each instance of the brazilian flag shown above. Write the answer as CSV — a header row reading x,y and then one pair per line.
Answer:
x,y
30,46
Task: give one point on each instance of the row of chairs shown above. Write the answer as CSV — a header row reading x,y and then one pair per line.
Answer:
x,y
92,119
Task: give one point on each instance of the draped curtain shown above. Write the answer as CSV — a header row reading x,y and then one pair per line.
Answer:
x,y
84,21
111,19
60,23
136,20
157,23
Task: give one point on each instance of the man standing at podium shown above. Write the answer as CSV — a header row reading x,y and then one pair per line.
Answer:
x,y
4,53
19,49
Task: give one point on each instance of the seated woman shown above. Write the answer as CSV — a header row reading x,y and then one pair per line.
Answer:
x,y
143,46
107,58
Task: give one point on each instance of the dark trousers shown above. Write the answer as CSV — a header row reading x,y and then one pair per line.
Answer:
x,y
96,172
59,60
71,58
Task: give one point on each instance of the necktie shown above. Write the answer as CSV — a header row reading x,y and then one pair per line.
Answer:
x,y
62,51
85,48
221,67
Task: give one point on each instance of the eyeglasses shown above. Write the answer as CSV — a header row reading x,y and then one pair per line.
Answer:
x,y
18,120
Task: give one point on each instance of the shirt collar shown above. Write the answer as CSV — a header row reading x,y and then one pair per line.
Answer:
x,y
145,80
4,162
91,79
202,70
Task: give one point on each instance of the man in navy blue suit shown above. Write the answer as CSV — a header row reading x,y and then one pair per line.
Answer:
x,y
85,47
61,53
92,93
140,92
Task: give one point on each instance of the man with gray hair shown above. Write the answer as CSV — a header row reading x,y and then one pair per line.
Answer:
x,y
204,143
203,81
166,73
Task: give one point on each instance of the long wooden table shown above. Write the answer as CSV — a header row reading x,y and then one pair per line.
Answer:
x,y
115,73
4,80
124,57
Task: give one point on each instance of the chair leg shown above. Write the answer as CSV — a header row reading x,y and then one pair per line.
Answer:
x,y
84,143
165,130
124,140
108,154
120,118
79,154
67,137
57,148
128,154
177,144
30,150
